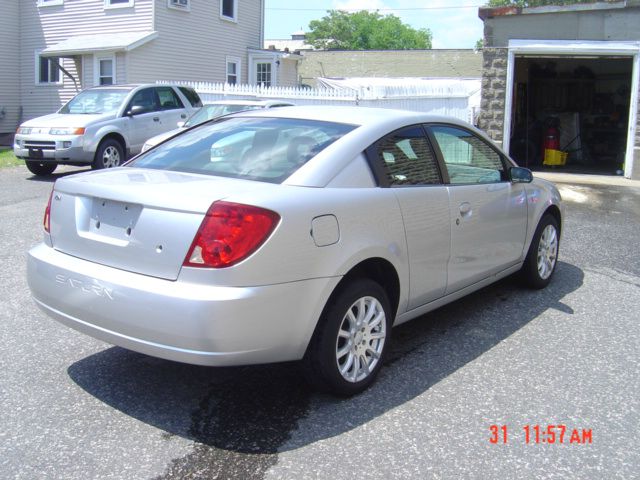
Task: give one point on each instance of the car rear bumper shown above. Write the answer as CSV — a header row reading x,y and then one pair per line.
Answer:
x,y
197,324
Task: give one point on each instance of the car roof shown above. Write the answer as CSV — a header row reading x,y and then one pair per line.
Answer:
x,y
353,115
132,86
262,103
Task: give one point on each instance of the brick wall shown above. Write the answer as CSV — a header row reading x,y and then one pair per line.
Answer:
x,y
494,85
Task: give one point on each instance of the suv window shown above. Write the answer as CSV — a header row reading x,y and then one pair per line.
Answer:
x,y
145,98
408,159
168,98
96,101
191,95
468,158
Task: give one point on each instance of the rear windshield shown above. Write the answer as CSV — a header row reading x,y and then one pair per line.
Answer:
x,y
263,149
91,102
209,112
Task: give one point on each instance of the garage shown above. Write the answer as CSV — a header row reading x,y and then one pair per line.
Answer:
x,y
571,112
560,86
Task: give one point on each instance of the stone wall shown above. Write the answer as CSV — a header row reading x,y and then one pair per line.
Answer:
x,y
494,87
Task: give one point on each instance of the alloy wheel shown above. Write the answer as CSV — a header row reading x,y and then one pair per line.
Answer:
x,y
547,252
361,339
110,157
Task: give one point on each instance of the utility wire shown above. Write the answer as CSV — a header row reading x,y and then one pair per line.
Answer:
x,y
372,9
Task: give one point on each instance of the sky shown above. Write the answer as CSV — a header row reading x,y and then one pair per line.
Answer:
x,y
453,23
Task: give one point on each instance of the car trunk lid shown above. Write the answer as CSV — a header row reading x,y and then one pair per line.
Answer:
x,y
137,220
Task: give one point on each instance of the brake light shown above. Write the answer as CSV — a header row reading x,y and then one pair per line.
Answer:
x,y
229,233
47,214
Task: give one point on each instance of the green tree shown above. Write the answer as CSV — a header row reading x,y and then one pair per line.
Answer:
x,y
363,30
534,3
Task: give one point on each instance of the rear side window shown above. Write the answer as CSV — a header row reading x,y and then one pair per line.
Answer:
x,y
263,149
191,95
408,159
168,98
468,158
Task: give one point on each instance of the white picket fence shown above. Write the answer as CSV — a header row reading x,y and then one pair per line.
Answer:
x,y
450,100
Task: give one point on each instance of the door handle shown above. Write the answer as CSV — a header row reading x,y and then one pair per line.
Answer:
x,y
184,115
465,208
156,119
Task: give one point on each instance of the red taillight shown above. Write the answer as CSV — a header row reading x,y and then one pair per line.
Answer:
x,y
47,214
229,233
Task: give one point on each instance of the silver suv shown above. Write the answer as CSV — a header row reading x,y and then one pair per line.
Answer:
x,y
103,126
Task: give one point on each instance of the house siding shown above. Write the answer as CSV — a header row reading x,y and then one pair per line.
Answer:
x,y
42,27
9,74
200,56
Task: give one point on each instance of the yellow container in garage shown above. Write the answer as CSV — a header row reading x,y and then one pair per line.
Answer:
x,y
554,157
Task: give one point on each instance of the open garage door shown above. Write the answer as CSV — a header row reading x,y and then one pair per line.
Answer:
x,y
572,111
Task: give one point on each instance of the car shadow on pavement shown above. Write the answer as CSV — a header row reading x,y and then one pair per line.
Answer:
x,y
59,173
249,414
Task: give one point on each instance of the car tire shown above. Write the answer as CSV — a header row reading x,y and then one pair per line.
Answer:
x,y
349,345
109,154
542,257
41,168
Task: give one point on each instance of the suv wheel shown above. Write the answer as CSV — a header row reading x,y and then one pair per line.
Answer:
x,y
40,168
109,154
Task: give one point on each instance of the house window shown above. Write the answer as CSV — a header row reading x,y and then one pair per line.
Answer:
x,y
180,4
49,3
228,9
118,3
105,68
233,70
263,74
47,71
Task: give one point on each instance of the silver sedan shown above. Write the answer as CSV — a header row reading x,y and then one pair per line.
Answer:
x,y
303,233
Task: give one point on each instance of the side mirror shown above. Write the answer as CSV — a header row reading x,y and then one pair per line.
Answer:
x,y
136,110
520,175
181,124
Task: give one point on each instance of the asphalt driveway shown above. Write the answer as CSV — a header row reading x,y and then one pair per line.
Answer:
x,y
502,360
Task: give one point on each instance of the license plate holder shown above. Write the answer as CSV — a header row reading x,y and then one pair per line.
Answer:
x,y
35,153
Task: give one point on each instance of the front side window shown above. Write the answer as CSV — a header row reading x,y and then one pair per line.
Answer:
x,y
407,158
263,74
469,159
106,70
145,101
47,70
228,9
262,149
168,98
91,102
